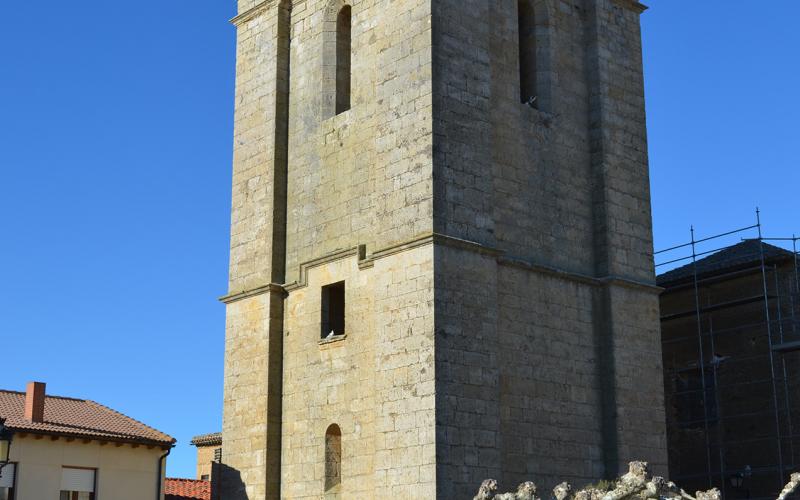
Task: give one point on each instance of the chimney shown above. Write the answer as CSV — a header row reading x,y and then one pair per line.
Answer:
x,y
34,402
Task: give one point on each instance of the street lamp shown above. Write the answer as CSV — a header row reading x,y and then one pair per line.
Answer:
x,y
5,444
737,480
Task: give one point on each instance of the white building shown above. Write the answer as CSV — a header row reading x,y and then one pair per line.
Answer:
x,y
76,449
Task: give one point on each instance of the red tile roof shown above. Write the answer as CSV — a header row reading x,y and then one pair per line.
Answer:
x,y
175,489
79,418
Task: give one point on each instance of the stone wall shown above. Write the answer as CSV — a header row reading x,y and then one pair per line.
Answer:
x,y
501,317
205,459
362,177
547,322
376,383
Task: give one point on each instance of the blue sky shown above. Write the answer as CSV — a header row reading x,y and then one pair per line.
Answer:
x,y
115,154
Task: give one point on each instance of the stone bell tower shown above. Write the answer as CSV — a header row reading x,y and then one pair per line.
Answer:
x,y
441,246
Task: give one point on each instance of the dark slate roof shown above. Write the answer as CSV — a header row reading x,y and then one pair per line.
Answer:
x,y
214,439
738,256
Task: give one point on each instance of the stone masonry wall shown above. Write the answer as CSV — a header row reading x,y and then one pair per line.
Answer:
x,y
305,189
205,456
550,404
501,318
363,176
254,202
618,138
541,170
376,384
251,416
623,245
468,439
545,319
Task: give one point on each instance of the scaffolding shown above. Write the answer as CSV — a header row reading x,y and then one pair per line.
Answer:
x,y
731,342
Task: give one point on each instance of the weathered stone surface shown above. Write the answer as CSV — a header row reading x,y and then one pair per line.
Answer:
x,y
487,490
500,316
790,487
637,484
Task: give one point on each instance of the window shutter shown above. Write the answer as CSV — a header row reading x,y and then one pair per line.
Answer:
x,y
7,476
77,480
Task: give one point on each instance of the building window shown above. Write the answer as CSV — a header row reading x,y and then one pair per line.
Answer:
x,y
333,307
76,495
218,455
527,54
344,24
7,482
204,477
77,484
333,457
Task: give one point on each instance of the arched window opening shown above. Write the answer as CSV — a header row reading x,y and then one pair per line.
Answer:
x,y
527,54
344,24
333,457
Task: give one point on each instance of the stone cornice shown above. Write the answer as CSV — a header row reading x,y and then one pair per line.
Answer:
x,y
472,246
548,270
324,259
360,252
419,241
579,277
252,12
631,5
629,283
365,262
252,292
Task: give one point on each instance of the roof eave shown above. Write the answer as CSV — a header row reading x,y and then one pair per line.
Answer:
x,y
687,279
108,439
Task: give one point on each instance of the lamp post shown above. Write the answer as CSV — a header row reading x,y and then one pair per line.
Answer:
x,y
5,444
737,480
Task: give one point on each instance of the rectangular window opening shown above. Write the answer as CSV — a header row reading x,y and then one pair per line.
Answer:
x,y
7,481
76,495
333,307
77,484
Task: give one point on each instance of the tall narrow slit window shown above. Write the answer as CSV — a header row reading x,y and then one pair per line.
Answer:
x,y
527,54
344,25
333,311
333,457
